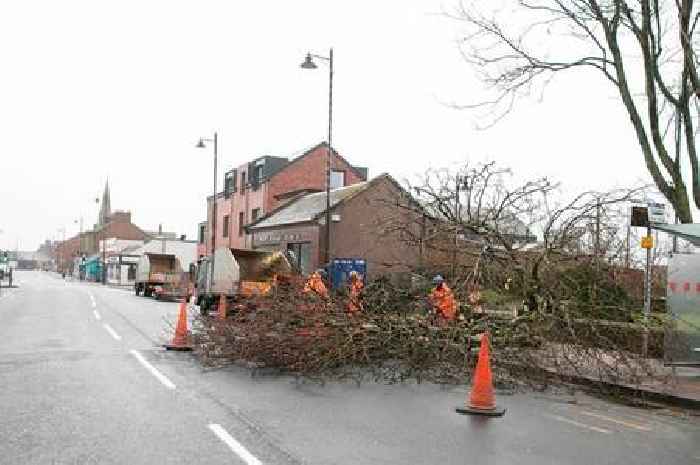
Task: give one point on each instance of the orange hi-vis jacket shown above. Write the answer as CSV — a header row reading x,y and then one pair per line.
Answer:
x,y
315,284
356,287
444,302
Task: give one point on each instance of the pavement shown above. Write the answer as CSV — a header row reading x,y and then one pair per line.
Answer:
x,y
84,381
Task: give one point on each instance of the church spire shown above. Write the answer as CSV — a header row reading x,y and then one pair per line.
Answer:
x,y
105,207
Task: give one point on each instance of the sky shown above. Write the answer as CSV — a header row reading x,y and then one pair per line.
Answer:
x,y
91,90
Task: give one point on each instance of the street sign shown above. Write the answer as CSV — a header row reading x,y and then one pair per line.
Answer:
x,y
657,212
639,217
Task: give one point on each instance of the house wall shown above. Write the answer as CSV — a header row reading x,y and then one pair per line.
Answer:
x,y
364,230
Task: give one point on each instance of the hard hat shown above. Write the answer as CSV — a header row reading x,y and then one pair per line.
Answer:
x,y
354,274
438,279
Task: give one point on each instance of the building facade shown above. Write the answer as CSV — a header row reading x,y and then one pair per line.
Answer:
x,y
253,189
358,214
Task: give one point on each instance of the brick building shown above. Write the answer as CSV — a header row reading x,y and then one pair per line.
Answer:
x,y
253,189
359,213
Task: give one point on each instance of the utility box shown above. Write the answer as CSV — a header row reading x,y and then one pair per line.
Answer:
x,y
682,338
342,267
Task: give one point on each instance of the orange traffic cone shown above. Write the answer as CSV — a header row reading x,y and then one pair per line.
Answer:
x,y
179,341
222,307
481,399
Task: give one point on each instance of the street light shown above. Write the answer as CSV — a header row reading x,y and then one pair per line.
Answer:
x,y
309,64
201,145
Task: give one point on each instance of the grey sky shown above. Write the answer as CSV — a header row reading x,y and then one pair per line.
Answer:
x,y
91,89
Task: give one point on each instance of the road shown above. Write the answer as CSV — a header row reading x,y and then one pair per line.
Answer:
x,y
84,381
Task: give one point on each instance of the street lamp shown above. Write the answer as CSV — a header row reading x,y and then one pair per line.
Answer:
x,y
309,64
200,145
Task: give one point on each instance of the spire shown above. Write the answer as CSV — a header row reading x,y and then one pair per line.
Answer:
x,y
105,207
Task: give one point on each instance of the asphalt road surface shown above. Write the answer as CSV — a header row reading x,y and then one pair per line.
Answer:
x,y
83,380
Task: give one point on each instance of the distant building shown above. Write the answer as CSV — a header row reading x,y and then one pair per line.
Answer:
x,y
256,188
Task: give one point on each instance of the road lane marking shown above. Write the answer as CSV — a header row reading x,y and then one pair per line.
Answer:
x,y
92,300
580,425
628,424
154,371
97,315
112,332
234,445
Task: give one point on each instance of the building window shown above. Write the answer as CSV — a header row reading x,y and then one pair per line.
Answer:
x,y
337,179
225,225
131,273
230,183
242,182
241,226
202,233
256,213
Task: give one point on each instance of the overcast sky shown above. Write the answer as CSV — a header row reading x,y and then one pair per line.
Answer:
x,y
96,89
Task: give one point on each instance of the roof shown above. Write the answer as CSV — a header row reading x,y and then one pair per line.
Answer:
x,y
307,207
310,207
185,251
688,231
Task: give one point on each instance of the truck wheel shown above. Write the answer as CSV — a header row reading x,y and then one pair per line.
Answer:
x,y
136,290
146,291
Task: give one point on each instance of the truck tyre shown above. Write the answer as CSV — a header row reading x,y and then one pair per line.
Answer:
x,y
136,290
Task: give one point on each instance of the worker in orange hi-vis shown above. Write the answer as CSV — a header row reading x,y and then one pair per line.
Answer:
x,y
355,288
443,300
316,285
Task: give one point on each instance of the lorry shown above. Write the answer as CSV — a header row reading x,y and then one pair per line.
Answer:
x,y
237,274
160,275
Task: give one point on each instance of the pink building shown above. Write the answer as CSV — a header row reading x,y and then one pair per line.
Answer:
x,y
255,188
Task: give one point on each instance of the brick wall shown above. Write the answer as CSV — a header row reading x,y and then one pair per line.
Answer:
x,y
307,172
361,233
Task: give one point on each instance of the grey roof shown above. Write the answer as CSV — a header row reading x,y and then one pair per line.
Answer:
x,y
185,251
306,208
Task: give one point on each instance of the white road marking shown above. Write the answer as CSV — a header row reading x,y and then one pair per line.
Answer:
x,y
234,445
97,315
580,425
92,300
154,371
628,424
112,332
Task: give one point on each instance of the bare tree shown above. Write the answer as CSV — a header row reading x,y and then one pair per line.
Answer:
x,y
524,44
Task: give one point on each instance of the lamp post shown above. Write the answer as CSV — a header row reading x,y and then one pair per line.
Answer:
x,y
309,64
200,145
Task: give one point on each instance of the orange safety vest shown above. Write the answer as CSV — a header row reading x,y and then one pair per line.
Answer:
x,y
444,302
315,284
354,304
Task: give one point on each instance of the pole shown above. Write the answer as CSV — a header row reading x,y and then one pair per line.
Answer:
x,y
213,211
328,161
647,297
627,255
458,221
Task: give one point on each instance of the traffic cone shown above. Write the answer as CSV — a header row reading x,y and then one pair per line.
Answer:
x,y
481,399
179,341
222,307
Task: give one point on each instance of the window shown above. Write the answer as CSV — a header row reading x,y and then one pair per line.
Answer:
x,y
242,182
256,213
131,273
337,179
225,225
202,233
257,177
230,183
241,220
